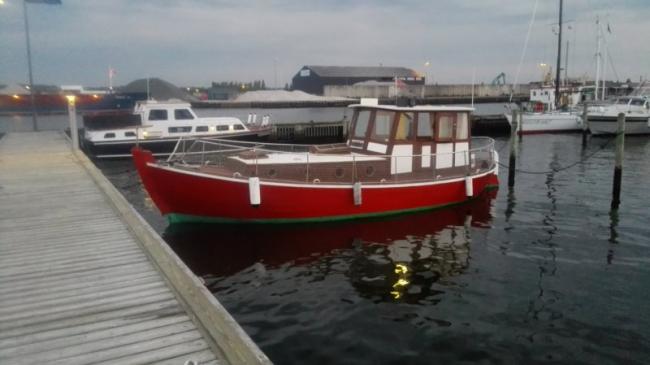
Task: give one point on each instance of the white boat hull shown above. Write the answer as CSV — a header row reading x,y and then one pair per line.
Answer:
x,y
603,125
548,122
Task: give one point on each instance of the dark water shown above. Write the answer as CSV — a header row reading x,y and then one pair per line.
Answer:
x,y
544,273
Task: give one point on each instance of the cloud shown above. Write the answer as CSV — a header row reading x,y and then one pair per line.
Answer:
x,y
194,42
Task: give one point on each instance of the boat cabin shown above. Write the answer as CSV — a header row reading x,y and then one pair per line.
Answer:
x,y
385,144
152,119
636,102
417,138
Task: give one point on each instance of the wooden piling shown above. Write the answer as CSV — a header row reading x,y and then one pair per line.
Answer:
x,y
514,128
618,166
585,125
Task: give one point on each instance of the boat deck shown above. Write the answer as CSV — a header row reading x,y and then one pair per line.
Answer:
x,y
77,285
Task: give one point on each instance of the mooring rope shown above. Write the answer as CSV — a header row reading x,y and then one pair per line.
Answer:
x,y
563,168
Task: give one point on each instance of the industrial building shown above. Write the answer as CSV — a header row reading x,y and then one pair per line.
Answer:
x,y
313,79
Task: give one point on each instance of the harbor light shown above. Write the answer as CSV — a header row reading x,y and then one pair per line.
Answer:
x,y
71,99
15,96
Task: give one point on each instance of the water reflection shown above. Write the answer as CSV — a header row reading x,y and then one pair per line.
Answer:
x,y
390,259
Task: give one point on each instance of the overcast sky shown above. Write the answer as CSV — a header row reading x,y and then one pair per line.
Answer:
x,y
194,42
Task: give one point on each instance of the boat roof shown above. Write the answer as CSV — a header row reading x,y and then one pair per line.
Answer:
x,y
167,103
417,108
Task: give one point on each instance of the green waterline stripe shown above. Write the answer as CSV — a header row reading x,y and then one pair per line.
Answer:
x,y
175,218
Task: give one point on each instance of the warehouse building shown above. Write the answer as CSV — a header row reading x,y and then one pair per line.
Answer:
x,y
312,79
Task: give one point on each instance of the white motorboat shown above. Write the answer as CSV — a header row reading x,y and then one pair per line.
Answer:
x,y
157,126
548,122
603,119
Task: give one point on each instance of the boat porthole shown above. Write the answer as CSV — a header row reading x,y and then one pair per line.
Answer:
x,y
370,171
339,172
272,173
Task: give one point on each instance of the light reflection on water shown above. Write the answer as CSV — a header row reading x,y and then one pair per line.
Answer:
x,y
543,273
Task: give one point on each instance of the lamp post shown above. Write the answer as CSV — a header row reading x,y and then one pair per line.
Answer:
x,y
426,71
426,77
29,53
275,72
72,114
29,66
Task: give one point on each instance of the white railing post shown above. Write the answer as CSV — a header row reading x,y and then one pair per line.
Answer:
x,y
307,175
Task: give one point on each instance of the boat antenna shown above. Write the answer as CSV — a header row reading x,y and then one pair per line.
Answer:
x,y
473,78
559,59
523,51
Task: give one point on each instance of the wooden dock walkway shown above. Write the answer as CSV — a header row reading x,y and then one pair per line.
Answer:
x,y
84,280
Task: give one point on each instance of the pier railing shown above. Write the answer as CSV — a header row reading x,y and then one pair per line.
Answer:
x,y
329,164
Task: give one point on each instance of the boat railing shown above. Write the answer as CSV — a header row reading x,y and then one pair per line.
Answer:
x,y
329,164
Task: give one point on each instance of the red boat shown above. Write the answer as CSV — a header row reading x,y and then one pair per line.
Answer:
x,y
396,160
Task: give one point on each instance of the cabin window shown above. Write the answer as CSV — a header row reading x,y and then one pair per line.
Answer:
x,y
383,126
179,129
534,93
404,126
222,128
129,134
158,114
181,114
239,127
638,102
425,130
361,126
445,126
462,126
109,135
202,128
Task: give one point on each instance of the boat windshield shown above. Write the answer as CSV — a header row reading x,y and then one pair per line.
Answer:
x,y
623,101
638,102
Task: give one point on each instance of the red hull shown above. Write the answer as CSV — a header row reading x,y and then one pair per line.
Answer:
x,y
189,195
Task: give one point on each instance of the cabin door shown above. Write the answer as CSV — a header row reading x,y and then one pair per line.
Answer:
x,y
424,145
403,144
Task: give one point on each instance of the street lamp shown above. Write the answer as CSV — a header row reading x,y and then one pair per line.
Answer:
x,y
29,52
426,71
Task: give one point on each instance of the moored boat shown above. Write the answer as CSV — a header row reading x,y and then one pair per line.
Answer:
x,y
549,122
396,160
604,119
158,126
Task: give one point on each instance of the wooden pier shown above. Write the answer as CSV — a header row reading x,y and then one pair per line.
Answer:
x,y
84,279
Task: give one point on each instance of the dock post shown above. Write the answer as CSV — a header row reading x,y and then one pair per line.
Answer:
x,y
618,166
72,114
520,124
585,125
514,128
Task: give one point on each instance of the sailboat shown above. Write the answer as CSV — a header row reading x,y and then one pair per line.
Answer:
x,y
550,119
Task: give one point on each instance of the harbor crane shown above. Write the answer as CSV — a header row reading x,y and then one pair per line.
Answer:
x,y
500,79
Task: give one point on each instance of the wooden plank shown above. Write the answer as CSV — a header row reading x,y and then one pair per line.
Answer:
x,y
87,322
112,347
77,339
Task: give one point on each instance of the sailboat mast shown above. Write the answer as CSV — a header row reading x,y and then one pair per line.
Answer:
x,y
597,58
559,59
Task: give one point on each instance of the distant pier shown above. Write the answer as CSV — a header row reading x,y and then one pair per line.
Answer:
x,y
84,279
